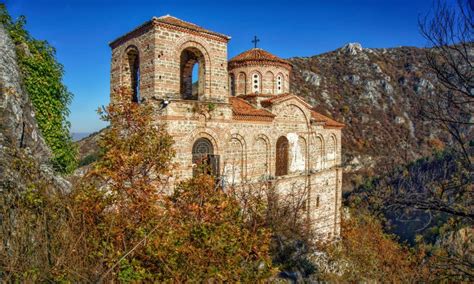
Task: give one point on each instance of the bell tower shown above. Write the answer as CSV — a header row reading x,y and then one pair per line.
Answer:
x,y
156,61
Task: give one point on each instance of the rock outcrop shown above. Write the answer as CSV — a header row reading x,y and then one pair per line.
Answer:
x,y
18,128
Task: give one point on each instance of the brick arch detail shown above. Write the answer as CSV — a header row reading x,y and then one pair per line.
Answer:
x,y
208,134
276,82
314,138
241,140
305,115
241,83
268,151
306,151
250,76
193,42
268,82
331,138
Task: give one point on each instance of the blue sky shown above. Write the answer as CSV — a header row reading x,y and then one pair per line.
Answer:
x,y
80,32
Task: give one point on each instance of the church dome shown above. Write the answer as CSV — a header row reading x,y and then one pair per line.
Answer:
x,y
256,57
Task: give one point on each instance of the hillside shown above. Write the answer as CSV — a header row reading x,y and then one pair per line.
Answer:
x,y
375,92
88,148
419,180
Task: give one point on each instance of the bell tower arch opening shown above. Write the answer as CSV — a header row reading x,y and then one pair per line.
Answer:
x,y
192,73
131,79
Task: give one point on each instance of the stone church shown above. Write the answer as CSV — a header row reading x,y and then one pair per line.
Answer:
x,y
237,116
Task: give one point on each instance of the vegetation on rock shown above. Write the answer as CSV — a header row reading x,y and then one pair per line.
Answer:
x,y
42,78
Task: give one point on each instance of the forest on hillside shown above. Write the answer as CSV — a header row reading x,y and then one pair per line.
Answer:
x,y
102,211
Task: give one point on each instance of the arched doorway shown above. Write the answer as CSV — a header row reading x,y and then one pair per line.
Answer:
x,y
204,159
282,148
192,59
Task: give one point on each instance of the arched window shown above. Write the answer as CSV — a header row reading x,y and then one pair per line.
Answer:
x,y
282,148
256,83
279,82
204,160
192,73
132,73
232,84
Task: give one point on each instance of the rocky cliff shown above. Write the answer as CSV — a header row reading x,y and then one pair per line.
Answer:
x,y
375,92
20,138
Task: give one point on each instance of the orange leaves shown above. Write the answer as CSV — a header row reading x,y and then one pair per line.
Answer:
x,y
197,233
210,239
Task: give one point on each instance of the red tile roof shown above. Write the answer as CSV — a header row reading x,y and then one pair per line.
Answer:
x,y
277,98
256,56
328,122
242,110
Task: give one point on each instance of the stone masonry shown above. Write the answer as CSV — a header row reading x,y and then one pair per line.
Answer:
x,y
237,118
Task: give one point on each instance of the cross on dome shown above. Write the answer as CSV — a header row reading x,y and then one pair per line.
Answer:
x,y
255,41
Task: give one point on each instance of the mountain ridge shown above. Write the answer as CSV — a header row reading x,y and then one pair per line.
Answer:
x,y
376,92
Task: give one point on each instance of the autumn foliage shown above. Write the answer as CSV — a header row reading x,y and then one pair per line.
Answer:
x,y
207,236
366,253
138,228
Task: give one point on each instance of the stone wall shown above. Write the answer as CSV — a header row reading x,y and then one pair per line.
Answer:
x,y
18,125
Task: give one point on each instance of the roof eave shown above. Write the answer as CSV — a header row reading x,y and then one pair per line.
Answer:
x,y
156,20
144,26
193,29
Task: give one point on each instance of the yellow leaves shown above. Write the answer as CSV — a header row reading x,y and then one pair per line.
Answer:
x,y
372,254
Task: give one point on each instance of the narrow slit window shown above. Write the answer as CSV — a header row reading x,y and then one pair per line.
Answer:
x,y
279,84
256,83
